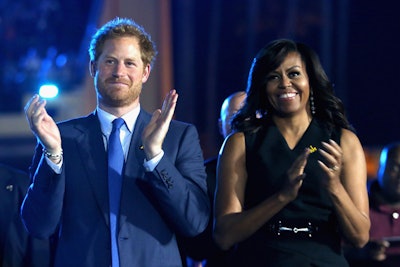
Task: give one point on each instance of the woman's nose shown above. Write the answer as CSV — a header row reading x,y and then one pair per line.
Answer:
x,y
285,82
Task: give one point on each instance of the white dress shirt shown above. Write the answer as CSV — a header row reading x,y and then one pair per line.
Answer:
x,y
126,131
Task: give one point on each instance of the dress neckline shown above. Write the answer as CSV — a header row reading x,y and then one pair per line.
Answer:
x,y
299,141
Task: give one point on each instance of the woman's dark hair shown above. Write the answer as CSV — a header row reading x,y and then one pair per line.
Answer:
x,y
329,108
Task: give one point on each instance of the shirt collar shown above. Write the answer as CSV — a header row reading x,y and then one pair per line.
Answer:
x,y
106,119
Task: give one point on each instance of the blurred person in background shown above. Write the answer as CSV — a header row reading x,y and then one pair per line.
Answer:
x,y
202,250
383,248
17,247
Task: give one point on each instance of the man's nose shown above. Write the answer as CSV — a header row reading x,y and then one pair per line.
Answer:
x,y
119,70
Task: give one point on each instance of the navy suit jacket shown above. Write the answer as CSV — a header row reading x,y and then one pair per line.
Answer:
x,y
155,206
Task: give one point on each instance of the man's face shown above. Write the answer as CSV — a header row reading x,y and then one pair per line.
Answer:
x,y
119,73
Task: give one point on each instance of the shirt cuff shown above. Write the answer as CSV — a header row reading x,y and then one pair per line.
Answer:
x,y
56,167
151,164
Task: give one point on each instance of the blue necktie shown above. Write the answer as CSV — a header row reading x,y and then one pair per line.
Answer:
x,y
115,167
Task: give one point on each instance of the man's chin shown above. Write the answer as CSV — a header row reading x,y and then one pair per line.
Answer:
x,y
119,102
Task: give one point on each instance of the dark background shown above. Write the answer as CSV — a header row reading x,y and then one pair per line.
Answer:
x,y
214,42
356,41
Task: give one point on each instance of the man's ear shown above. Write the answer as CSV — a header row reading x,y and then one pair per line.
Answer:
x,y
146,73
92,68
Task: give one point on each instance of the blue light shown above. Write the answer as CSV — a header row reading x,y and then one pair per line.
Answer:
x,y
61,60
48,91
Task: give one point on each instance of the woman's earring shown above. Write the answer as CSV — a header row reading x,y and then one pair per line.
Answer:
x,y
312,106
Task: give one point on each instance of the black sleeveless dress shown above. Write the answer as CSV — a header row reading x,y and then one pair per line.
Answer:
x,y
268,158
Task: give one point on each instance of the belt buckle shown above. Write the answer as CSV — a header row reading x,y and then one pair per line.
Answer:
x,y
280,229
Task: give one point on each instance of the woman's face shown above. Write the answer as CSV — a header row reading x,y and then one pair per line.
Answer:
x,y
288,88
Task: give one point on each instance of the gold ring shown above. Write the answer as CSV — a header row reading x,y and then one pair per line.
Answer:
x,y
334,168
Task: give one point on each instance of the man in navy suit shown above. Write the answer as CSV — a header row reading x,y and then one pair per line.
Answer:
x,y
164,191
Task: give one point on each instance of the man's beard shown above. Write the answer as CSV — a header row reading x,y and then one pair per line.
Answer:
x,y
107,97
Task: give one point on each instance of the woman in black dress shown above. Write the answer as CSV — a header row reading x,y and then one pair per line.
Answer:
x,y
292,177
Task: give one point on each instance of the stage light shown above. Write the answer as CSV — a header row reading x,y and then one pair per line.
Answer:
x,y
48,91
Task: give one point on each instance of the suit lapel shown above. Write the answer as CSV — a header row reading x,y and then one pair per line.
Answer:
x,y
91,149
136,153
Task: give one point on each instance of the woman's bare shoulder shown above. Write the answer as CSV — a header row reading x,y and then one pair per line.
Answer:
x,y
349,139
234,141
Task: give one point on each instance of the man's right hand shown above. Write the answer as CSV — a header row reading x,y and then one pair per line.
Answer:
x,y
42,125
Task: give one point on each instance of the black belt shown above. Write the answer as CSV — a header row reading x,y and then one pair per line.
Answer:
x,y
305,229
